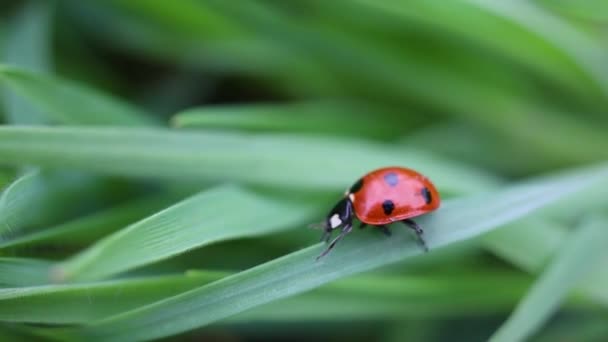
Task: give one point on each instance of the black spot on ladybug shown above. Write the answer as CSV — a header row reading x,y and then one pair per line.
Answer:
x,y
427,195
388,206
357,186
391,179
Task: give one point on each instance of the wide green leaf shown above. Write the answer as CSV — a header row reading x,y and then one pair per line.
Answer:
x,y
289,161
458,220
583,252
71,103
213,215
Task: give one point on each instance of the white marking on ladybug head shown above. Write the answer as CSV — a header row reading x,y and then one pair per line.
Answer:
x,y
352,198
334,221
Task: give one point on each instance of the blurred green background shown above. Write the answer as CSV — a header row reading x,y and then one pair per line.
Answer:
x,y
160,161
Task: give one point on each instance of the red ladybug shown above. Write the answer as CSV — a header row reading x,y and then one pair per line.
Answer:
x,y
382,197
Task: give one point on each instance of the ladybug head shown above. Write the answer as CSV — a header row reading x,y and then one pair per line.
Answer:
x,y
340,215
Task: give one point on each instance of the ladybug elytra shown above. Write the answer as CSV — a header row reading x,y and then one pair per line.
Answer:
x,y
381,197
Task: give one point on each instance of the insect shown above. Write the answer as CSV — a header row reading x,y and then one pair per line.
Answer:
x,y
379,198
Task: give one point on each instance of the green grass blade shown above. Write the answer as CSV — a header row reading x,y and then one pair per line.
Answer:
x,y
288,161
318,117
582,253
205,38
6,177
581,328
188,18
17,272
14,333
529,244
354,298
88,228
295,273
213,215
374,297
86,302
71,103
28,47
589,10
552,45
587,53
38,198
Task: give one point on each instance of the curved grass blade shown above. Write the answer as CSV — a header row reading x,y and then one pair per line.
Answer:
x,y
579,256
213,215
71,103
552,46
297,272
354,298
88,228
188,18
529,244
143,29
17,272
594,11
18,333
333,118
38,198
586,53
287,161
86,302
28,47
91,227
6,177
373,297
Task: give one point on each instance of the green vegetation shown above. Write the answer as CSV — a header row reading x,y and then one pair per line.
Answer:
x,y
160,163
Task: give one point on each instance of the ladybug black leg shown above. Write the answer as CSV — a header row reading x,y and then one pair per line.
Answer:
x,y
385,230
418,230
345,230
326,235
362,225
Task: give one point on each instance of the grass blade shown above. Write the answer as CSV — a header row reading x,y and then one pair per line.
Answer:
x,y
592,10
295,273
15,333
354,298
287,161
374,297
552,46
71,103
91,227
528,244
38,198
17,272
582,252
318,117
213,215
28,47
581,49
85,302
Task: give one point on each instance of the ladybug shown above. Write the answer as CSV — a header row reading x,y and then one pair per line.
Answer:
x,y
379,198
